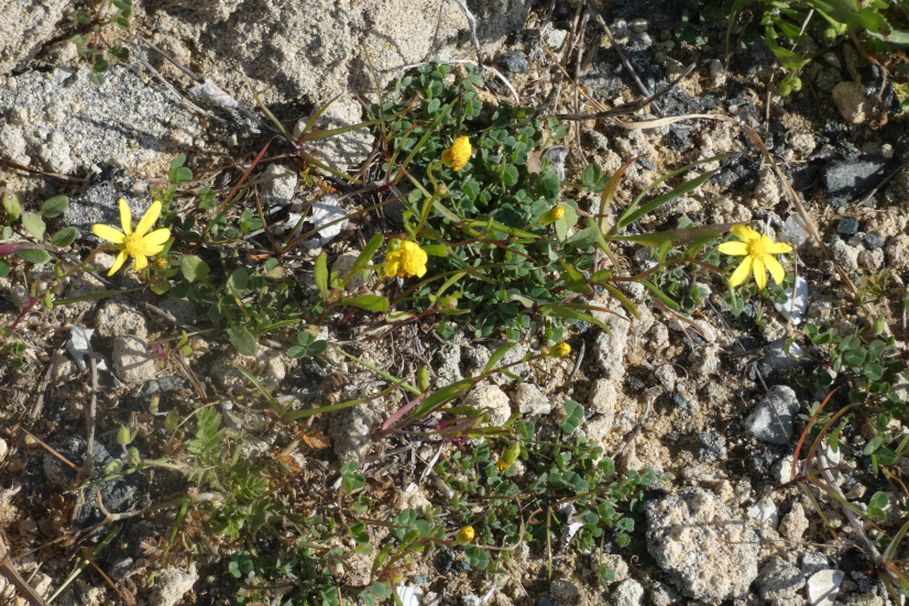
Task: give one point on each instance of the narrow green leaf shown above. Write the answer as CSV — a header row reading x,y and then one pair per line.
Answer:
x,y
320,275
498,354
630,217
376,303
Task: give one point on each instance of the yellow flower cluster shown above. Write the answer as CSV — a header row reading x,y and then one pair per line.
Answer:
x,y
562,350
466,534
457,156
405,259
758,250
139,243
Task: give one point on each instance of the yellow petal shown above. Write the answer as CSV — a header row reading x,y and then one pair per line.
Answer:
x,y
157,238
106,232
126,217
780,248
141,263
733,248
776,270
741,272
118,263
760,274
422,271
744,233
149,218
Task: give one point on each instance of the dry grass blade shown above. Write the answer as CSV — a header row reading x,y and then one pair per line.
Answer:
x,y
12,575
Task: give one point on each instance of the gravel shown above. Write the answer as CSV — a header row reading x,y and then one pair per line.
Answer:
x,y
778,580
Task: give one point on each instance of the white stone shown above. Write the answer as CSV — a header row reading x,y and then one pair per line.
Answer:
x,y
531,401
823,587
491,399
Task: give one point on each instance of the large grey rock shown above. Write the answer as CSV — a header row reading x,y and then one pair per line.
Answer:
x,y
778,580
69,123
171,584
771,421
845,179
117,318
132,362
318,49
26,26
710,551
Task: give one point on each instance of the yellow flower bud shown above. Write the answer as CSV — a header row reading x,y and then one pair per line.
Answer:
x,y
562,350
558,211
457,156
466,534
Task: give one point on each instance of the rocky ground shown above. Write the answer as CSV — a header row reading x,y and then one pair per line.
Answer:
x,y
707,400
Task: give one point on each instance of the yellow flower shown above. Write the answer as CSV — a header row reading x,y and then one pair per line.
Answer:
x,y
466,534
502,465
138,243
458,154
562,350
758,251
406,259
557,212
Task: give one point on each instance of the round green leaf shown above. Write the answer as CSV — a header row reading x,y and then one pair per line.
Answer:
x,y
54,207
64,237
193,268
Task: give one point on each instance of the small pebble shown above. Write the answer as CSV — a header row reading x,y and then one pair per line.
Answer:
x,y
515,62
847,226
874,240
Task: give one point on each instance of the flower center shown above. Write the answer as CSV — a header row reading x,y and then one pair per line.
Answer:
x,y
134,245
760,247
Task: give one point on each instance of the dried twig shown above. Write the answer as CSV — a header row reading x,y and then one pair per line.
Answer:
x,y
12,575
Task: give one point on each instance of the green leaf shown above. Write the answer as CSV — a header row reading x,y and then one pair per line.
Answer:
x,y
633,213
33,224
242,340
4,269
548,184
510,176
11,205
376,303
320,275
238,280
54,207
193,268
571,313
36,256
853,14
64,237
498,354
375,594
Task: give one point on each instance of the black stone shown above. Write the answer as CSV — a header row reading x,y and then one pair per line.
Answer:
x,y
847,227
677,139
713,447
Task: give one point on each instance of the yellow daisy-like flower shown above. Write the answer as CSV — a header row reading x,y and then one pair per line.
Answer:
x,y
466,534
457,156
407,259
139,243
758,251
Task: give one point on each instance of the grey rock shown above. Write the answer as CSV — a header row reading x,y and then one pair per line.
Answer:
x,y
70,123
851,102
844,254
627,593
662,594
617,565
794,523
26,26
713,447
847,179
764,510
778,579
119,318
132,362
515,62
772,419
812,562
795,231
781,357
99,204
531,401
609,348
874,240
171,584
694,536
346,150
278,185
823,586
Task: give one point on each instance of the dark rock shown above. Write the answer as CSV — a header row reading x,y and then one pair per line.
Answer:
x,y
847,226
874,240
117,494
516,62
849,179
640,42
545,601
677,139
